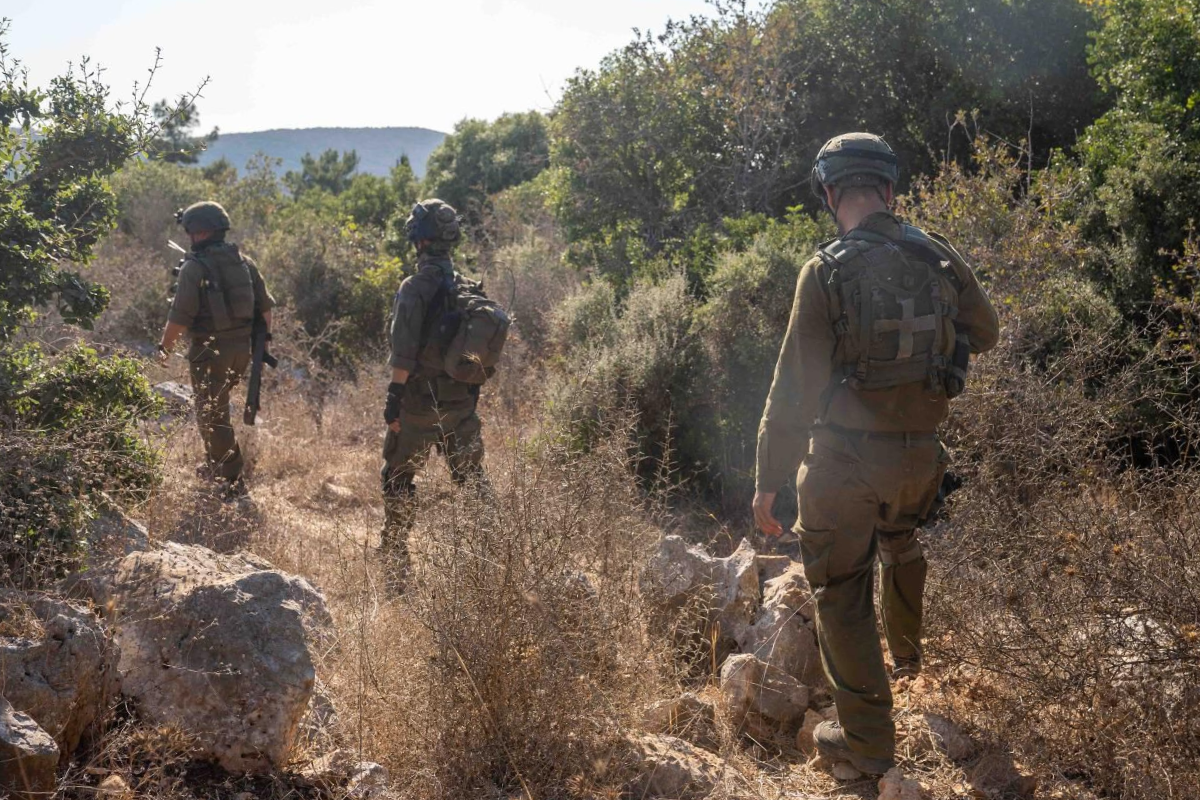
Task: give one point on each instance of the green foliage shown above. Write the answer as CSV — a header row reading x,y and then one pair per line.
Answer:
x,y
1141,160
482,158
71,444
328,172
720,118
649,366
335,283
695,373
176,142
54,204
741,326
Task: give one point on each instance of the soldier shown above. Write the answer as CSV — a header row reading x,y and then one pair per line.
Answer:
x,y
219,294
882,325
425,407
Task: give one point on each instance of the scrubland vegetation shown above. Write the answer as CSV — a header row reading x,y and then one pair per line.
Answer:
x,y
647,235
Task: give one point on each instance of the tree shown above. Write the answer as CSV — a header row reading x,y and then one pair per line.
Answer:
x,y
328,172
482,158
1141,160
58,147
175,142
720,117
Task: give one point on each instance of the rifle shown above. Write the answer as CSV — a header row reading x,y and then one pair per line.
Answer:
x,y
259,337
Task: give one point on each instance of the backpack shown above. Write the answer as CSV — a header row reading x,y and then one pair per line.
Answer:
x,y
229,286
894,303
467,329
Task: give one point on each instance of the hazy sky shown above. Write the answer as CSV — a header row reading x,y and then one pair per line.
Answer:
x,y
306,63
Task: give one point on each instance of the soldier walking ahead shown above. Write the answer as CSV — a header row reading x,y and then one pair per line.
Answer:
x,y
219,295
882,325
427,407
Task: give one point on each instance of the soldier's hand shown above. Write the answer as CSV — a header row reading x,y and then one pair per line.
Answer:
x,y
763,518
391,409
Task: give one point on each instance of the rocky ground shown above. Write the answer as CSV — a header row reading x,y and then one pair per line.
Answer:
x,y
258,637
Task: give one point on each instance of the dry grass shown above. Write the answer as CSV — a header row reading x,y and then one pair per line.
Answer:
x,y
517,658
521,654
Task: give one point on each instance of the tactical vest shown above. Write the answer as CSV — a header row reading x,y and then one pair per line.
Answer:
x,y
464,332
894,303
228,286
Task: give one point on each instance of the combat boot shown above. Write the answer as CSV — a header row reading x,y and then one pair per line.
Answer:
x,y
906,668
831,742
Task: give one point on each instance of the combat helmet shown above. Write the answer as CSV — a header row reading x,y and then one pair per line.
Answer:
x,y
203,216
853,159
436,222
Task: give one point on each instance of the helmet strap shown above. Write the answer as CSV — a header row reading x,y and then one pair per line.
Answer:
x,y
833,209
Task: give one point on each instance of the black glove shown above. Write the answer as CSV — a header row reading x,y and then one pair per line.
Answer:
x,y
391,411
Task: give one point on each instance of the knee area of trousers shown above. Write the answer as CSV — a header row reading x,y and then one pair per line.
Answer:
x,y
900,548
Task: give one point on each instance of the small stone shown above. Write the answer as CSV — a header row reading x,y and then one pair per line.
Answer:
x,y
751,686
28,756
949,738
367,780
340,774
114,787
689,717
336,492
996,774
673,768
804,739
894,786
844,771
63,671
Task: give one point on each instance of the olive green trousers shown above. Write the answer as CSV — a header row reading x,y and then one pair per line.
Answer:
x,y
435,413
216,367
860,499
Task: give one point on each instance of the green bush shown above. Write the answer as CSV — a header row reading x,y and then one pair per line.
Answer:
x,y
694,372
332,279
1068,317
741,328
71,444
640,359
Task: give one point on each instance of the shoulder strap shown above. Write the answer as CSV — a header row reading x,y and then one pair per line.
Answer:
x,y
215,292
436,309
936,249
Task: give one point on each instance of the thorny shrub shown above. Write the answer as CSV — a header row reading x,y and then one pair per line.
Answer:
x,y
1062,587
539,653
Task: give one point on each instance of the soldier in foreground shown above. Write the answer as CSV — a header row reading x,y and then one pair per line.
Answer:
x,y
882,326
434,391
219,297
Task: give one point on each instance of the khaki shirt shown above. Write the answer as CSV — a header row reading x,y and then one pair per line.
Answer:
x,y
806,367
410,308
190,304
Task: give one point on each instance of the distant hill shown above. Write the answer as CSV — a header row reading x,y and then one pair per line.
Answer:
x,y
378,148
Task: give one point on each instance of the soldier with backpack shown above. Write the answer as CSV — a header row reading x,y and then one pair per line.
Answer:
x,y
218,300
884,320
446,338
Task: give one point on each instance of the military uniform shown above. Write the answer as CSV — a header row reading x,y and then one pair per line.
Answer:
x,y
869,467
435,410
219,323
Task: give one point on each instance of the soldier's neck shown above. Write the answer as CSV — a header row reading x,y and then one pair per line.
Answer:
x,y
438,259
851,215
